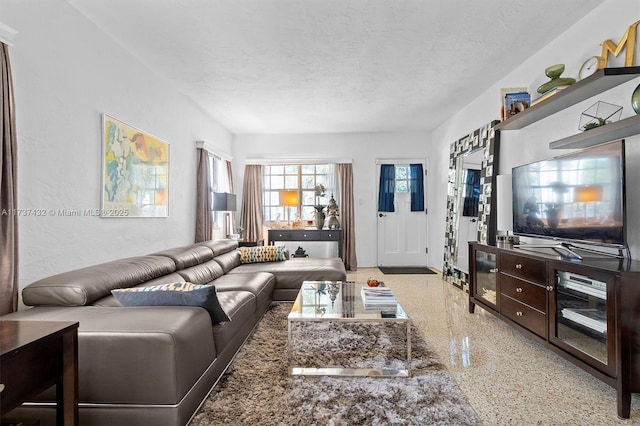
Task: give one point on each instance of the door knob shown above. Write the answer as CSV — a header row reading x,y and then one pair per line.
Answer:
x,y
382,215
474,220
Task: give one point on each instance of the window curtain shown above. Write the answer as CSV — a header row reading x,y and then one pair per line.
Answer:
x,y
251,212
416,186
387,188
204,218
345,179
230,180
8,189
471,193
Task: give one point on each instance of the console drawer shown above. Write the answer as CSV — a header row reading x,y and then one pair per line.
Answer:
x,y
525,292
330,236
305,235
279,235
524,315
523,267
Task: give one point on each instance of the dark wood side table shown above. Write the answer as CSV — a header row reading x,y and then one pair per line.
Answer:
x,y
246,243
34,356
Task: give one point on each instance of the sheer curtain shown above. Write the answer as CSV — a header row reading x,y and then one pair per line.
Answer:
x,y
345,179
204,219
387,188
8,189
251,213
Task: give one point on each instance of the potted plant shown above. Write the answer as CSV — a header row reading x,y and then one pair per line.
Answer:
x,y
320,215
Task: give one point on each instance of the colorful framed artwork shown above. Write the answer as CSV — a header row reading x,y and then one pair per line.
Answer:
x,y
135,172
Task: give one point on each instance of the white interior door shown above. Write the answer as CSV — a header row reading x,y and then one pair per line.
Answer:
x,y
402,234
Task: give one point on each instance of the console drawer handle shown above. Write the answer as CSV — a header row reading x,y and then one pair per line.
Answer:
x,y
519,290
520,314
518,265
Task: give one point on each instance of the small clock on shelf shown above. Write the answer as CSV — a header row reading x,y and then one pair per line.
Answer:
x,y
590,67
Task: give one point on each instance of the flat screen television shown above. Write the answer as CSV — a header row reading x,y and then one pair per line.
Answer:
x,y
574,198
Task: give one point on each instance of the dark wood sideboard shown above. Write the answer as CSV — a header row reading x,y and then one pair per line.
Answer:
x,y
586,311
306,235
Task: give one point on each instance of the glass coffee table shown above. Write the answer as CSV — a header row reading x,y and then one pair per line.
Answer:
x,y
334,303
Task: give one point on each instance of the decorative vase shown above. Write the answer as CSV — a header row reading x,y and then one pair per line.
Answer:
x,y
635,100
319,220
554,72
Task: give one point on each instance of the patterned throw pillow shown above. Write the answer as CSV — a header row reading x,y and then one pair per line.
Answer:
x,y
262,254
174,294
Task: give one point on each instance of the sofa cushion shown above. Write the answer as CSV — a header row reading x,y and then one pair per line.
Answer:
x,y
261,254
291,273
175,294
261,284
85,286
220,246
242,308
187,256
203,273
111,300
228,260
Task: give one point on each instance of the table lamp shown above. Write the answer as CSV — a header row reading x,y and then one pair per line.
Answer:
x,y
289,199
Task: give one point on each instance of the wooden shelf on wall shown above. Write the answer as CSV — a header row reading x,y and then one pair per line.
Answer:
x,y
618,130
601,81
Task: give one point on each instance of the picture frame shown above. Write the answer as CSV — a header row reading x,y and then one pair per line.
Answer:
x,y
135,171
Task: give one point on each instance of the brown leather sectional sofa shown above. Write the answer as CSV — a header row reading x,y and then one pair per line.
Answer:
x,y
155,365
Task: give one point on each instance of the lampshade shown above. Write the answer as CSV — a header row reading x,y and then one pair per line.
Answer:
x,y
587,194
224,202
289,198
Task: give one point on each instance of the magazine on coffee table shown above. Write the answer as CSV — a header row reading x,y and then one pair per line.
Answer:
x,y
377,296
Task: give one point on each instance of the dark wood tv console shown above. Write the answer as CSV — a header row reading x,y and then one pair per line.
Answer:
x,y
586,311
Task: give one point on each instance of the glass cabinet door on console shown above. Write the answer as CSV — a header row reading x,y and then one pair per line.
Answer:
x,y
485,270
582,318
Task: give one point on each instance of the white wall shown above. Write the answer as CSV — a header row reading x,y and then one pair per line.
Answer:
x,y
608,21
66,73
362,148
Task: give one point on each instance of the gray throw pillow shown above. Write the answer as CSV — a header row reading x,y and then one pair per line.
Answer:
x,y
174,294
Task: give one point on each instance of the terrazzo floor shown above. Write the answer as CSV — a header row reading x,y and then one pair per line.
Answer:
x,y
508,378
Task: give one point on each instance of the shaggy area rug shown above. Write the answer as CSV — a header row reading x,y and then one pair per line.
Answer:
x,y
258,389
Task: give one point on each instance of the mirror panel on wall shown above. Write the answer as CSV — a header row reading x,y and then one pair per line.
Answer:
x,y
482,145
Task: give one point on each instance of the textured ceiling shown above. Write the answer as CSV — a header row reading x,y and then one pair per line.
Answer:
x,y
327,66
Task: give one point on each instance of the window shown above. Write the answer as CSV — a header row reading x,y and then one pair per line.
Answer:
x,y
218,182
402,179
304,178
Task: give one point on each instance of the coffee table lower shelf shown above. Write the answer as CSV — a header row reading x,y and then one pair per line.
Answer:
x,y
352,372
